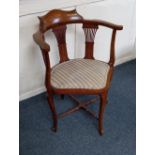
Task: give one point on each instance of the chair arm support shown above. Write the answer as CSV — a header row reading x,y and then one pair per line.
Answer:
x,y
104,23
39,39
112,48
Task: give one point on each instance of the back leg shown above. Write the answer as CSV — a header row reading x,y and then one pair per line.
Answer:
x,y
62,96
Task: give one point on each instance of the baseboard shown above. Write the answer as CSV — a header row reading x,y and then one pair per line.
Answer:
x,y
37,91
122,60
31,93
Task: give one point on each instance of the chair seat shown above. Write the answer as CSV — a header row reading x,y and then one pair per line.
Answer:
x,y
80,74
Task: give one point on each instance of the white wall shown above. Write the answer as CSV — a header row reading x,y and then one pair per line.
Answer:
x,y
31,64
119,12
30,59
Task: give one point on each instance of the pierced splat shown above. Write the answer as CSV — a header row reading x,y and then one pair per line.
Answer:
x,y
90,32
60,33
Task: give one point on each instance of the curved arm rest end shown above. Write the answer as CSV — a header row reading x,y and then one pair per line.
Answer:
x,y
39,39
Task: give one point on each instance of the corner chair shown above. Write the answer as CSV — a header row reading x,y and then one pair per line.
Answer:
x,y
77,76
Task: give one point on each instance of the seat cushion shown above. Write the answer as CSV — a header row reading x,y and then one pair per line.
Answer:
x,y
80,74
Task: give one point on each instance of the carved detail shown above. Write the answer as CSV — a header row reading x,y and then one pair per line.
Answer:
x,y
60,34
90,32
57,17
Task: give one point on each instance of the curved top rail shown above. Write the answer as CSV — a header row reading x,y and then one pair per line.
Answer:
x,y
56,17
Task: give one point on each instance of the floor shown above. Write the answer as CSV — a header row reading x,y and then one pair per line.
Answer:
x,y
77,133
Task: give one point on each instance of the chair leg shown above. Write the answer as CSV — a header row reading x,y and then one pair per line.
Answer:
x,y
103,99
52,107
62,96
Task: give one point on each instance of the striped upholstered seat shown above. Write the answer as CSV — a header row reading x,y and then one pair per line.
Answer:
x,y
80,74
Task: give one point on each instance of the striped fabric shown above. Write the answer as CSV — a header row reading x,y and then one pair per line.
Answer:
x,y
80,74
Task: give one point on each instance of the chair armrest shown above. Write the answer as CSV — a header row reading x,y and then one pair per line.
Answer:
x,y
39,39
104,23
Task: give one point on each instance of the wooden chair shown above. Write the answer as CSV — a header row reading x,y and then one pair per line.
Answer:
x,y
77,76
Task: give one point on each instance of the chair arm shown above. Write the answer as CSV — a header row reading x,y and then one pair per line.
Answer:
x,y
39,39
104,23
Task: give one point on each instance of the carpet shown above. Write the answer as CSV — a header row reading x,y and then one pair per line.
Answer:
x,y
77,133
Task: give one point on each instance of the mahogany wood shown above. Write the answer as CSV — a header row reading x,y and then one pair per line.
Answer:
x,y
52,107
90,32
57,20
112,49
81,105
103,99
60,33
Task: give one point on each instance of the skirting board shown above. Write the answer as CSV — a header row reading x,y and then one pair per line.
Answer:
x,y
42,89
32,93
124,59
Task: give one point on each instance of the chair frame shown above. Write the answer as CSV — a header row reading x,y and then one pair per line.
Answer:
x,y
57,21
